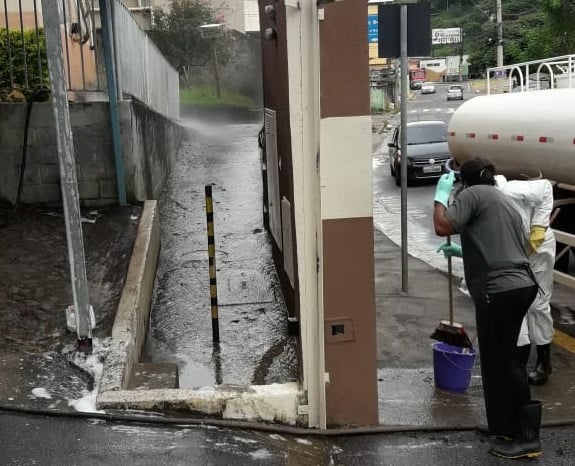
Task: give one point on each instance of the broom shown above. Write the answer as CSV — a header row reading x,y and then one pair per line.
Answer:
x,y
448,331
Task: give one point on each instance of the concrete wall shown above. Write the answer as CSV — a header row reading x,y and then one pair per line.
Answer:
x,y
149,142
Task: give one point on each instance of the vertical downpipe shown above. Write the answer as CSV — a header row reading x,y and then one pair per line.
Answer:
x,y
113,103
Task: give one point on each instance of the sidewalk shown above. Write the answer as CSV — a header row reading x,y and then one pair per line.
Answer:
x,y
37,358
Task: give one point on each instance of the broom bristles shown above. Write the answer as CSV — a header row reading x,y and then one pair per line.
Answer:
x,y
453,334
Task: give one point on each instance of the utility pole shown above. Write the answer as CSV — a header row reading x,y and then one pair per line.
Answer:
x,y
499,34
68,176
499,19
216,66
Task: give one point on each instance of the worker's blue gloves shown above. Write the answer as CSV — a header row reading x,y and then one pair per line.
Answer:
x,y
450,250
444,187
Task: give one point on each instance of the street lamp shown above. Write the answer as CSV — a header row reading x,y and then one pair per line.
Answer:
x,y
212,32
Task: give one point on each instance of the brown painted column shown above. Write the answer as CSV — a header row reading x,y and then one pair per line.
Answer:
x,y
345,167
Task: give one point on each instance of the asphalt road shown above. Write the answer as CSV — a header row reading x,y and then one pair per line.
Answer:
x,y
64,441
422,240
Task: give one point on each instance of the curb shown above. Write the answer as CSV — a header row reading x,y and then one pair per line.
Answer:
x,y
257,403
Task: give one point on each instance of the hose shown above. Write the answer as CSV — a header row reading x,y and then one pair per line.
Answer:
x,y
255,426
41,93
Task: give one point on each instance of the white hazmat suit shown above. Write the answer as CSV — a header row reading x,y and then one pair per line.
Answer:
x,y
534,200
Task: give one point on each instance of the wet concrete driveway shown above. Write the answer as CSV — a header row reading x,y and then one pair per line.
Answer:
x,y
254,347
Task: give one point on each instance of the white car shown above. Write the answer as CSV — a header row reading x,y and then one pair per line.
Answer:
x,y
455,92
428,88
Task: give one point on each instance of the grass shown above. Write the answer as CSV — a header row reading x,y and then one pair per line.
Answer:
x,y
205,96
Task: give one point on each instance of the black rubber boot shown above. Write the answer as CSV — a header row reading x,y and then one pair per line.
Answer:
x,y
542,371
527,443
524,352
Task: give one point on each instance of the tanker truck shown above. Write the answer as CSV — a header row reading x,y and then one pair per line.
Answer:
x,y
526,135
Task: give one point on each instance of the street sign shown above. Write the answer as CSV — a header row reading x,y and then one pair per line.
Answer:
x,y
418,30
372,28
446,36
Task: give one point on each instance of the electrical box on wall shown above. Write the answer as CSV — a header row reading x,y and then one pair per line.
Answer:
x,y
339,330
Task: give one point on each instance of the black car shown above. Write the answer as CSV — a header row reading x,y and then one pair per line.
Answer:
x,y
427,151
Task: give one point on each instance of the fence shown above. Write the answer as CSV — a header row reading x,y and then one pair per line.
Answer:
x,y
142,71
548,73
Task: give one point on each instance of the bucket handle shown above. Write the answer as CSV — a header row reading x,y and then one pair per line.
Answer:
x,y
456,365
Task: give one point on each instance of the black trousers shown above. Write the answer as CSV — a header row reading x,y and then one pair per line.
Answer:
x,y
505,385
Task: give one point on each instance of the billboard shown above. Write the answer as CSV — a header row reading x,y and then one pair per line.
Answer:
x,y
446,36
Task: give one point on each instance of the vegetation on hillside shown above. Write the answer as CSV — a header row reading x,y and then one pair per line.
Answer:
x,y
532,29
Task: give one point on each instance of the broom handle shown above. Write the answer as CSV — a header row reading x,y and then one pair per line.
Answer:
x,y
449,275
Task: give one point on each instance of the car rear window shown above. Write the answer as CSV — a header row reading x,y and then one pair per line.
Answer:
x,y
426,134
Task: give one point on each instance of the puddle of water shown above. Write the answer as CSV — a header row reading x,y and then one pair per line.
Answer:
x,y
194,375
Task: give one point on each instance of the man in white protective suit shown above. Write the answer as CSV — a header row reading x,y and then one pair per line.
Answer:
x,y
534,200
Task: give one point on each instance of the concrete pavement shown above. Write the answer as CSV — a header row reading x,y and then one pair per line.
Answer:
x,y
37,352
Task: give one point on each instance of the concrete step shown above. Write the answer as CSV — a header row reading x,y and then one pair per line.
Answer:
x,y
154,375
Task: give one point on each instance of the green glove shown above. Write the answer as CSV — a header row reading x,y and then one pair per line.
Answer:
x,y
450,250
444,187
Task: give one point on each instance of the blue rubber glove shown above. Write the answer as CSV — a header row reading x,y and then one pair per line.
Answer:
x,y
444,187
450,250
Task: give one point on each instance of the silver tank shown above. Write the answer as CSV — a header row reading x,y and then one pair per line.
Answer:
x,y
523,133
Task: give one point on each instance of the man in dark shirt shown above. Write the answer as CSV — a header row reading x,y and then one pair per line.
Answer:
x,y
501,284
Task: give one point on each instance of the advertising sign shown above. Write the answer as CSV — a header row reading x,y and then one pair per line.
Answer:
x,y
446,36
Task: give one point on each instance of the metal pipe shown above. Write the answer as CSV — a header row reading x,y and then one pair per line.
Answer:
x,y
68,175
9,46
66,43
113,103
81,43
38,43
23,45
403,142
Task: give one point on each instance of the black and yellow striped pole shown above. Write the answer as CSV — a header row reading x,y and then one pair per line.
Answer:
x,y
212,262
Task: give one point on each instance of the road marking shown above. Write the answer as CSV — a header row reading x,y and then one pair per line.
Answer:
x,y
564,341
435,110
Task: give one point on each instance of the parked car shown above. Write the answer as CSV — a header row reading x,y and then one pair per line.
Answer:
x,y
455,92
428,88
427,151
416,85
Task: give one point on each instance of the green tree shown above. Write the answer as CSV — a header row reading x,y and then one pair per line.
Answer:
x,y
177,34
531,29
561,24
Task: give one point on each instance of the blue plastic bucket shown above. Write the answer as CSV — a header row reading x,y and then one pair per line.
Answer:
x,y
452,367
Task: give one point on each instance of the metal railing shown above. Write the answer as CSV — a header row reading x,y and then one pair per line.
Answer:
x,y
548,73
143,72
141,69
567,240
22,46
